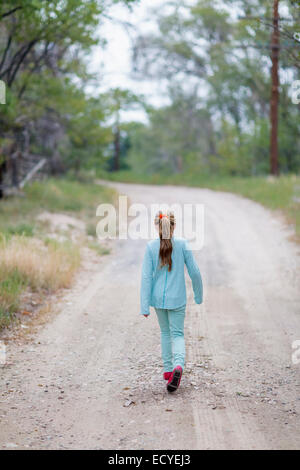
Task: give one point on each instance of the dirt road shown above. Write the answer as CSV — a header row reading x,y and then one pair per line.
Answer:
x,y
92,377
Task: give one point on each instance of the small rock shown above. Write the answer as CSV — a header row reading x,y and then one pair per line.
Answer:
x,y
128,403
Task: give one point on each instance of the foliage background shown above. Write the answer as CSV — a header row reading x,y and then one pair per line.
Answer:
x,y
214,57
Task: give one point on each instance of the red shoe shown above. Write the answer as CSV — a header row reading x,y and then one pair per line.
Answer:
x,y
167,375
174,380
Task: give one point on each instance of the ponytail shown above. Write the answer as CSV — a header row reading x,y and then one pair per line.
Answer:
x,y
166,225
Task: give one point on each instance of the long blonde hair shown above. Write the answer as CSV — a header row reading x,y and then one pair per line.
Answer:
x,y
166,226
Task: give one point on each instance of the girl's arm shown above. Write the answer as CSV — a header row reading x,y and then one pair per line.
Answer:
x,y
194,273
146,284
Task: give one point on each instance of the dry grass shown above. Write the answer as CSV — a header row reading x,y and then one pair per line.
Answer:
x,y
42,265
29,262
35,264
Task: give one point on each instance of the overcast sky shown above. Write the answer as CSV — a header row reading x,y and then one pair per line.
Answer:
x,y
113,64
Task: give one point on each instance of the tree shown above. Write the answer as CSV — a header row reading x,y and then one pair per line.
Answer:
x,y
229,58
118,100
43,49
179,137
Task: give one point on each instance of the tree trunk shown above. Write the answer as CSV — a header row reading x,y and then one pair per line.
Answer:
x,y
15,169
2,171
275,45
117,149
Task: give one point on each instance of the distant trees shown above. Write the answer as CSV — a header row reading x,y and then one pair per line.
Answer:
x,y
218,54
214,56
43,49
117,100
179,137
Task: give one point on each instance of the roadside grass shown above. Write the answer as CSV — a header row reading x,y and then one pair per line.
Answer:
x,y
27,230
99,249
18,214
30,263
11,287
91,230
281,193
29,259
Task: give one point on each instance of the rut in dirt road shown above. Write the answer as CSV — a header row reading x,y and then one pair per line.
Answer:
x,y
92,377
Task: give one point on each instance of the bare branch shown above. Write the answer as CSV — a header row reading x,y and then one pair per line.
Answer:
x,y
27,50
11,12
8,44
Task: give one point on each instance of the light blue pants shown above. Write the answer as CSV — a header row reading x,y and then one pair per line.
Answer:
x,y
171,324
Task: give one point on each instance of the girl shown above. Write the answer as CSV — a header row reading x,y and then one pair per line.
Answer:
x,y
163,287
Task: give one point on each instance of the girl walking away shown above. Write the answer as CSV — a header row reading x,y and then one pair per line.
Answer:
x,y
163,287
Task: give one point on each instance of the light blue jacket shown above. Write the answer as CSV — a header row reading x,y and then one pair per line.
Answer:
x,y
163,289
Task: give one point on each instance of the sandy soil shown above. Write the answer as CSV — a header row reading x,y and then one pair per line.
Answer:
x,y
92,378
